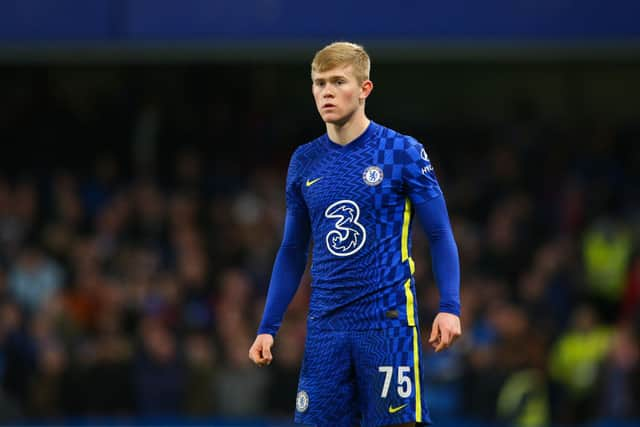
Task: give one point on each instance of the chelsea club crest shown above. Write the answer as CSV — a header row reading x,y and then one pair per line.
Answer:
x,y
302,401
372,175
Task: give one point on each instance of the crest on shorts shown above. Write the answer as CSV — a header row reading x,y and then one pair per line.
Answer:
x,y
302,401
372,175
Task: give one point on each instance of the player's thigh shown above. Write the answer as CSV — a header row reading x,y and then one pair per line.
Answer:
x,y
388,374
326,390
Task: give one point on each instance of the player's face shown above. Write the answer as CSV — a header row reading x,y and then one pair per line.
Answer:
x,y
338,94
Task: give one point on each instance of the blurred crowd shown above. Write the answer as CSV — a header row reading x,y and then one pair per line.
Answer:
x,y
134,287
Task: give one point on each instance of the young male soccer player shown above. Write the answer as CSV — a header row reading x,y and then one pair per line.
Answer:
x,y
355,190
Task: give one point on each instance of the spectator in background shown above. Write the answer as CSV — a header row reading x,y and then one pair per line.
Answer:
x,y
630,310
547,290
196,289
505,255
240,389
159,376
607,250
110,364
619,379
202,375
47,390
23,218
12,231
82,297
35,278
66,207
523,399
98,191
484,371
189,177
14,366
575,362
148,225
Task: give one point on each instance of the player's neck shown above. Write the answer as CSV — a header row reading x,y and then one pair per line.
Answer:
x,y
348,131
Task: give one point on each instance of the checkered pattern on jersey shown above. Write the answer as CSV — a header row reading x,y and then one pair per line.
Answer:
x,y
390,200
346,288
364,288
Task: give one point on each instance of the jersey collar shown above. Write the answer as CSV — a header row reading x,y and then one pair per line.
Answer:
x,y
364,136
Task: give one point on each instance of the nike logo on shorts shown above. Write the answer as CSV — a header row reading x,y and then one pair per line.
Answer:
x,y
393,410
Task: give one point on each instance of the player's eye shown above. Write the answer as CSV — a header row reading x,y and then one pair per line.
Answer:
x,y
340,82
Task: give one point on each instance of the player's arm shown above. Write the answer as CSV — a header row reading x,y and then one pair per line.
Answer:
x,y
287,270
426,196
446,270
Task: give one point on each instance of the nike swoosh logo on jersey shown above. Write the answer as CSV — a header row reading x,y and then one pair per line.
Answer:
x,y
313,181
393,410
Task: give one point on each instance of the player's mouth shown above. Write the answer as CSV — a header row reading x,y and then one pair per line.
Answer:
x,y
328,106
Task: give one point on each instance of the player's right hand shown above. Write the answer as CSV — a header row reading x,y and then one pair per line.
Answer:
x,y
260,351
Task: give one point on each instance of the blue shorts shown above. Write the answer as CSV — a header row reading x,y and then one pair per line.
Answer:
x,y
362,378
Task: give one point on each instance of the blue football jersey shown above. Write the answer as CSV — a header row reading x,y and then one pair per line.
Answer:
x,y
359,198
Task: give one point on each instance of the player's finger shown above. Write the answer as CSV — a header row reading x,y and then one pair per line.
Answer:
x,y
455,335
434,333
445,340
446,337
266,355
255,355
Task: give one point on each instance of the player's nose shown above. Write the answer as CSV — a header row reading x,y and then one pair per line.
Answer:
x,y
327,93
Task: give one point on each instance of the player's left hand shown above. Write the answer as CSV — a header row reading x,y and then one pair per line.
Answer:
x,y
444,331
260,351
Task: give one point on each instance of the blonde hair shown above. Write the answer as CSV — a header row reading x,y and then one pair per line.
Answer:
x,y
339,54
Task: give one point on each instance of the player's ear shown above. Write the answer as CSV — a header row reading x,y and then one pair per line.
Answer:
x,y
365,89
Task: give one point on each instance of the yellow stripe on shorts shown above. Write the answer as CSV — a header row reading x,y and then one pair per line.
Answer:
x,y
416,379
